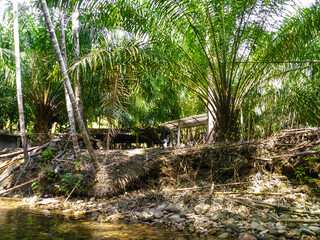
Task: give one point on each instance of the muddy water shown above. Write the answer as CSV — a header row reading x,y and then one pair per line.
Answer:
x,y
24,224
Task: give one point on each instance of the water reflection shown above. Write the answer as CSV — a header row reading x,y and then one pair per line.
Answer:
x,y
25,224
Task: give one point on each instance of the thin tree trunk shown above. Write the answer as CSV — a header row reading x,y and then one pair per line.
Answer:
x,y
18,81
114,99
76,47
211,116
66,79
73,132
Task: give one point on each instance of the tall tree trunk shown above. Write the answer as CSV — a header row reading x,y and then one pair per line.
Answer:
x,y
73,132
18,80
113,105
211,115
76,47
66,79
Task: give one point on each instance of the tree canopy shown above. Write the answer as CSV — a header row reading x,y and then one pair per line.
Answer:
x,y
251,64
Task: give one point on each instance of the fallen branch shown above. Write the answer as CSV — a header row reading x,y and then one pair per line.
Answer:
x,y
13,154
301,220
295,154
8,190
249,205
300,201
209,186
262,159
251,193
279,207
33,149
8,172
59,155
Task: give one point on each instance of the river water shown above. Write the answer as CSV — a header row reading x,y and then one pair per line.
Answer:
x,y
25,224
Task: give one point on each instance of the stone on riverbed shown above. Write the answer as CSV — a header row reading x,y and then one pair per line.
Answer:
x,y
158,214
161,208
314,229
224,235
47,201
246,236
201,208
172,209
243,211
254,225
307,231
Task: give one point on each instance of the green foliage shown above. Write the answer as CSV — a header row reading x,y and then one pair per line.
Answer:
x,y
34,186
52,176
46,156
301,175
303,170
68,182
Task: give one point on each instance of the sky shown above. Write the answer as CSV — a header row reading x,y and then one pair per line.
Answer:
x,y
3,4
305,3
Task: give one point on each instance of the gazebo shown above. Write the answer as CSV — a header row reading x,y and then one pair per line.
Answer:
x,y
187,122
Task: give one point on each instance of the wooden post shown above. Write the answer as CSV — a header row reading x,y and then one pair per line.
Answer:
x,y
179,132
171,139
53,130
210,126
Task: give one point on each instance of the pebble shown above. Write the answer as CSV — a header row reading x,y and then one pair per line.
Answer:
x,y
212,231
201,208
307,231
224,235
246,236
243,211
279,226
232,226
174,217
291,233
68,212
254,225
222,215
172,209
158,214
314,229
161,208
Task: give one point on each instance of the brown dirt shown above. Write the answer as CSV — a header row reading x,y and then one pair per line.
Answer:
x,y
292,157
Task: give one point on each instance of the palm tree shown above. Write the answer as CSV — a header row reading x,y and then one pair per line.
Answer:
x,y
63,69
115,60
18,81
220,49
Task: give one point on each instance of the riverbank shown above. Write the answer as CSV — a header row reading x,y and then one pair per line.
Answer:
x,y
265,189
282,215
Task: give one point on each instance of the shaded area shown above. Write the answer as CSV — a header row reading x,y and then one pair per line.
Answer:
x,y
26,224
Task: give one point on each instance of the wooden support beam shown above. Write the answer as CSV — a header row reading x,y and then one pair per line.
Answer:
x,y
179,132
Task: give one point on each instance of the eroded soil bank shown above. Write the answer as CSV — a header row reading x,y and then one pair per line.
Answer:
x,y
265,189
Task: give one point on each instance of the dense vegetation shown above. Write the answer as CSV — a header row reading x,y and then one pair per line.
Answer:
x,y
252,64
